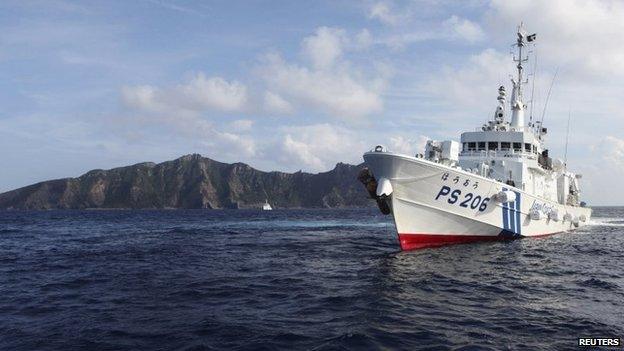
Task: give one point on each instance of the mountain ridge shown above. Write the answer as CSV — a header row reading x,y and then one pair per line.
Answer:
x,y
192,181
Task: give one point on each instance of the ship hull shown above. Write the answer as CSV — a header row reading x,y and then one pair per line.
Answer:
x,y
433,205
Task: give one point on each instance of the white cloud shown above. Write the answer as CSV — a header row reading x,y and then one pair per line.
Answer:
x,y
381,11
363,39
408,145
451,29
400,41
233,145
302,153
585,36
341,92
600,173
464,29
198,94
242,125
177,7
319,147
178,111
324,47
141,97
572,36
276,104
612,150
474,84
212,93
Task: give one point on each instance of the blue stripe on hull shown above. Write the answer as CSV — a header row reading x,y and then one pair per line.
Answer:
x,y
518,214
512,216
505,215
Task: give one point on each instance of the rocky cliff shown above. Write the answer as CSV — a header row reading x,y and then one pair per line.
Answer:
x,y
192,181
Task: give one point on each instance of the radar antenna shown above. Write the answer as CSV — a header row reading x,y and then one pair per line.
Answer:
x,y
548,96
533,89
517,103
565,157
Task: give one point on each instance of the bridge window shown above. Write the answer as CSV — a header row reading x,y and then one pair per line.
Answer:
x,y
481,145
505,145
527,147
492,145
517,146
472,146
534,149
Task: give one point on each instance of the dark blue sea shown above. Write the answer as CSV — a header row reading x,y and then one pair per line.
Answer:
x,y
297,279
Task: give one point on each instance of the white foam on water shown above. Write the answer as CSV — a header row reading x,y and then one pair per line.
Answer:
x,y
607,221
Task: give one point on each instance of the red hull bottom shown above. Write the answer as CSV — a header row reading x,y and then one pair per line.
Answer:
x,y
421,241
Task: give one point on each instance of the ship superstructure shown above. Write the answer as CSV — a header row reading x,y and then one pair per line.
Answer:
x,y
502,184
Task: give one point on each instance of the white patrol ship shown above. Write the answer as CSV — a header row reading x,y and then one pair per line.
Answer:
x,y
502,185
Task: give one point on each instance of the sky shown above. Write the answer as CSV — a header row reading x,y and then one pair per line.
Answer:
x,y
297,85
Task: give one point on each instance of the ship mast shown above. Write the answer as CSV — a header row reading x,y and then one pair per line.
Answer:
x,y
517,102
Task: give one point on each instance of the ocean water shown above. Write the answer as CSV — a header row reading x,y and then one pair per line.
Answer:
x,y
297,279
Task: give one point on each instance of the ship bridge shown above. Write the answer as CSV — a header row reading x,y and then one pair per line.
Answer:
x,y
496,144
512,157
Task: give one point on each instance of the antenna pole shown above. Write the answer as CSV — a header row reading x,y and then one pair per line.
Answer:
x,y
548,96
533,88
565,157
520,43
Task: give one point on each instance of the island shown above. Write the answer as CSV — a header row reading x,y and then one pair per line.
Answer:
x,y
193,182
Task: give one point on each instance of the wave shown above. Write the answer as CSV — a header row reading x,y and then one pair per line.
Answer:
x,y
598,283
607,222
9,230
305,224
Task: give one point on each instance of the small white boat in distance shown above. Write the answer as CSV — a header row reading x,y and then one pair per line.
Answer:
x,y
266,206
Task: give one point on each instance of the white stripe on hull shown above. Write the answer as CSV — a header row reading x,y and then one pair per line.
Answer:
x,y
416,218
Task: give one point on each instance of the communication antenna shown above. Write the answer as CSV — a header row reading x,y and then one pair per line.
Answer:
x,y
533,88
565,155
548,96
